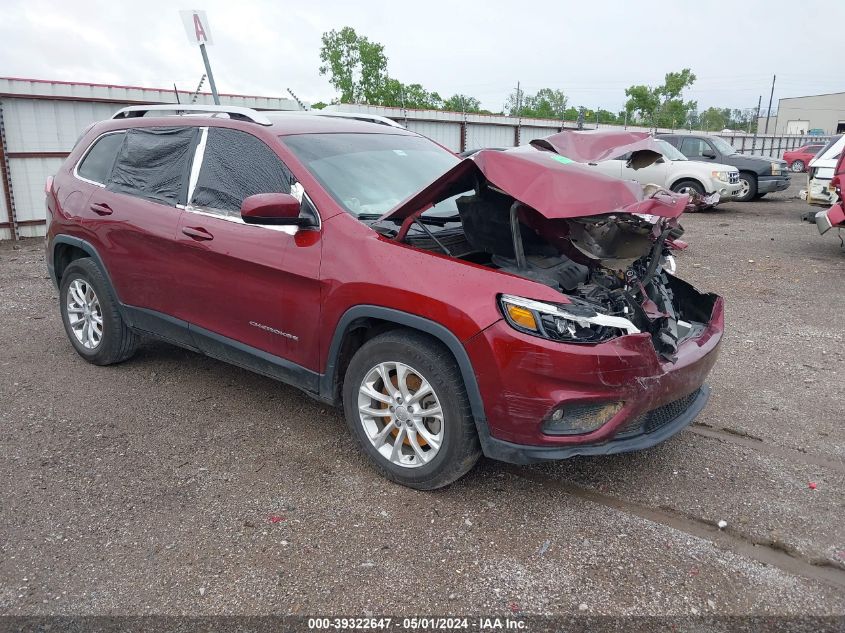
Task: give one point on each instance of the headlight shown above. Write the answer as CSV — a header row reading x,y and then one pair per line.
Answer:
x,y
568,323
724,176
775,169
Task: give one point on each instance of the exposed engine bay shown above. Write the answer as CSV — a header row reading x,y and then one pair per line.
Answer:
x,y
614,264
604,243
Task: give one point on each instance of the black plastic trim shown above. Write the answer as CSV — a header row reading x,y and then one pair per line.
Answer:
x,y
254,359
328,380
91,252
523,454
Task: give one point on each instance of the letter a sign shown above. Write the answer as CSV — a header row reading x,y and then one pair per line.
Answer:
x,y
196,27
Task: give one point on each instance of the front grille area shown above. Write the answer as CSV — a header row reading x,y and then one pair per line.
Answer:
x,y
652,420
733,177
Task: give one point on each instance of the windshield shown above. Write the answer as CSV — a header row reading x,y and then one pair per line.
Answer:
x,y
369,174
723,146
670,151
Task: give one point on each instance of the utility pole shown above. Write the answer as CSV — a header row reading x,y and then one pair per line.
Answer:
x,y
518,115
757,118
769,111
626,118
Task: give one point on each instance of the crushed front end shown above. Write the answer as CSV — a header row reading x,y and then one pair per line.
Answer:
x,y
612,354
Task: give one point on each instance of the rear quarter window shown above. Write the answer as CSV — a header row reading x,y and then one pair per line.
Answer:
x,y
96,165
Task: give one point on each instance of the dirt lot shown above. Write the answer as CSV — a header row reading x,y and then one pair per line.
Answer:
x,y
176,484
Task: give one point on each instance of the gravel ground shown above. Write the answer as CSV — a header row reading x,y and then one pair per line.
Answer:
x,y
175,484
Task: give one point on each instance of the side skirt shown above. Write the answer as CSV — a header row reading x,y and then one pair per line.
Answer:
x,y
211,344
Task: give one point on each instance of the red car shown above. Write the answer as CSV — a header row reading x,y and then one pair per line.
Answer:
x,y
515,304
798,159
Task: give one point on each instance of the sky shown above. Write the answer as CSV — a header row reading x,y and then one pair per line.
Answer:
x,y
591,51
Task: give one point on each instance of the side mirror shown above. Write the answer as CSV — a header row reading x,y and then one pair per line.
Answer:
x,y
278,209
709,154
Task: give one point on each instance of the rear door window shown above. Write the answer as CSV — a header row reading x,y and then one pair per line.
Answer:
x,y
694,147
154,163
237,165
96,165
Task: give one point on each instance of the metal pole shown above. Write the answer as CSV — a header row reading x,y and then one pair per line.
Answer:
x,y
754,139
518,115
769,111
626,119
176,92
210,76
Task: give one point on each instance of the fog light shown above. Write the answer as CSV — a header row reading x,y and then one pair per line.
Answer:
x,y
577,419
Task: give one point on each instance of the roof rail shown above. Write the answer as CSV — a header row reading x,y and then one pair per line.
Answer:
x,y
234,112
359,116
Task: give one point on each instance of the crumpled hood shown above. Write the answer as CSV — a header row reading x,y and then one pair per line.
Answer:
x,y
553,184
594,147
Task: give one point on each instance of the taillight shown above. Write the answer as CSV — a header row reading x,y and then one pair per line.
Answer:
x,y
48,192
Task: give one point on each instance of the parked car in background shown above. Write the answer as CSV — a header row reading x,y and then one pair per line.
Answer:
x,y
798,159
820,172
679,174
834,217
757,174
517,304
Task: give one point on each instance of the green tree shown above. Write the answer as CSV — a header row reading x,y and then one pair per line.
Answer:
x,y
713,119
662,105
357,67
546,103
462,103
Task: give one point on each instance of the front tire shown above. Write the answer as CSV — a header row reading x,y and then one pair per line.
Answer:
x,y
688,186
90,315
797,166
406,406
749,187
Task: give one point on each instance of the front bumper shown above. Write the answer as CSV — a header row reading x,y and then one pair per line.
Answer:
x,y
645,437
727,191
523,379
769,184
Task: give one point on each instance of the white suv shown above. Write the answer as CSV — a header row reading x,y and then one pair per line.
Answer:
x,y
677,173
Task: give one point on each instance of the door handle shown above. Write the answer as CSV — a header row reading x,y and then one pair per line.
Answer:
x,y
197,233
101,208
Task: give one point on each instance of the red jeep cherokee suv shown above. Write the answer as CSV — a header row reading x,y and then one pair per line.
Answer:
x,y
515,304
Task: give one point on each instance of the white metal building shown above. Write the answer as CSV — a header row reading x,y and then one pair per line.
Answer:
x,y
799,115
40,122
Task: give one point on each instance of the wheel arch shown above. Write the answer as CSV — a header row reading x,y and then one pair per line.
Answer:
x,y
65,249
360,323
688,178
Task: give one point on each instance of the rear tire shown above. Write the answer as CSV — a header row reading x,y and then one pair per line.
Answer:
x,y
797,166
91,317
749,186
420,364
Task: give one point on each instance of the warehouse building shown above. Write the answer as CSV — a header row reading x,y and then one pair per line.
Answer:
x,y
823,114
40,122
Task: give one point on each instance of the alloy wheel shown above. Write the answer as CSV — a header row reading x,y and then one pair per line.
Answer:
x,y
401,414
744,188
84,314
798,166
